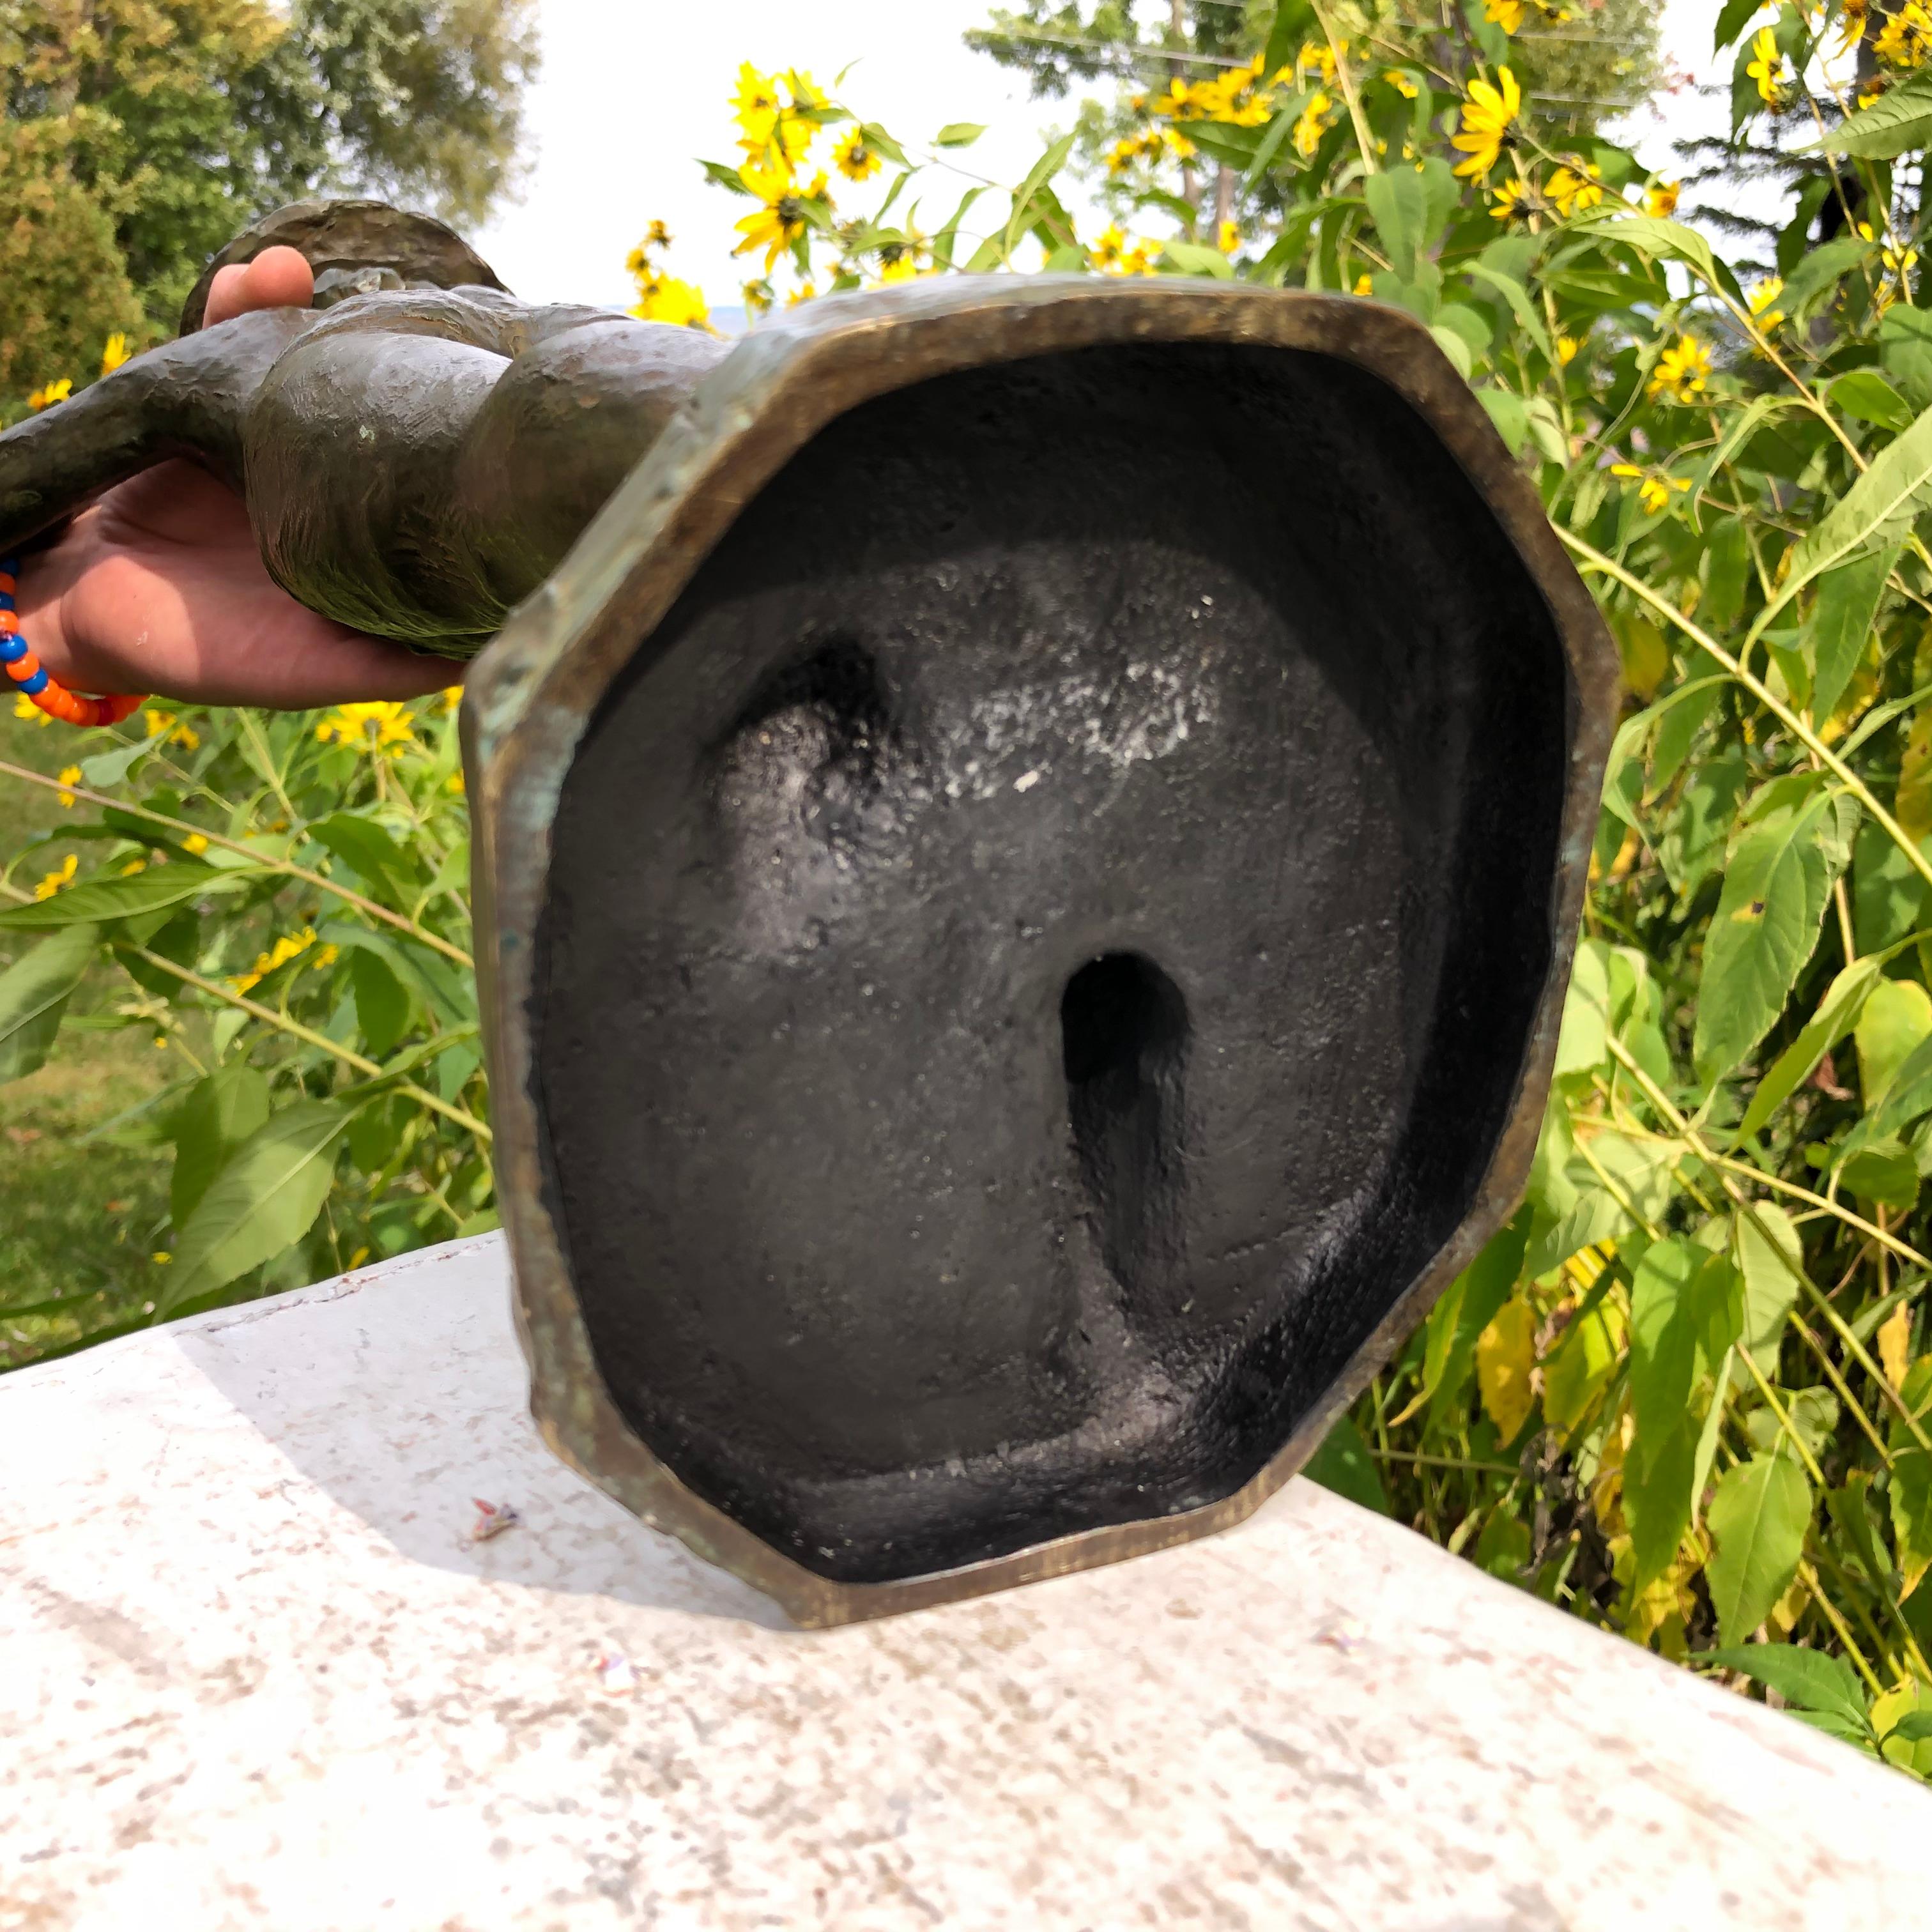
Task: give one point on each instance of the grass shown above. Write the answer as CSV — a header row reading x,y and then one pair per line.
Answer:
x,y
82,1217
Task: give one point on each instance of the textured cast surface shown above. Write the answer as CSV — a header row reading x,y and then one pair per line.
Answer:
x,y
257,1677
1036,965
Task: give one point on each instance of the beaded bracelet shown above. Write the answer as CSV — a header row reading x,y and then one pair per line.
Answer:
x,y
31,678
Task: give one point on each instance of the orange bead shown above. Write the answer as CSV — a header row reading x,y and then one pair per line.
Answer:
x,y
23,667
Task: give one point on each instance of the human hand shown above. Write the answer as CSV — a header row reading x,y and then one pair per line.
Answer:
x,y
158,585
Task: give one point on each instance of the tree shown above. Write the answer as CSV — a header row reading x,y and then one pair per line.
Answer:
x,y
179,120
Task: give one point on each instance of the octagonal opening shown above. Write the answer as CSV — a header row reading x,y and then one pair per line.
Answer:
x,y
1038,962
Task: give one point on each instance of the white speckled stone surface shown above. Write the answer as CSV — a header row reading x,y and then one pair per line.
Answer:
x,y
253,1673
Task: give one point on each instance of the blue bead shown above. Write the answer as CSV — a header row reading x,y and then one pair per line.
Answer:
x,y
12,649
10,565
33,686
7,601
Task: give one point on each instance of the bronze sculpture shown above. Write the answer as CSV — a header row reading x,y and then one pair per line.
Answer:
x,y
1008,994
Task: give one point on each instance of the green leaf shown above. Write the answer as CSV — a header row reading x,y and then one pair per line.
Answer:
x,y
1191,258
1042,171
1732,18
1665,1331
1905,348
1456,346
724,175
1343,1464
1768,1254
1837,1014
33,994
1580,1370
109,768
1758,1517
1875,513
958,133
1814,278
449,995
219,1114
1899,120
1468,1306
1657,239
264,1200
1841,625
95,902
1850,1509
1896,1017
1513,292
1806,1679
1763,932
381,1003
1658,1497
1911,1498
1907,1096
387,873
1583,1043
1888,894
1865,393
1400,208
1503,1549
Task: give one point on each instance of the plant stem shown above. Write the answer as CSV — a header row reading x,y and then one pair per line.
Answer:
x,y
1808,738
364,905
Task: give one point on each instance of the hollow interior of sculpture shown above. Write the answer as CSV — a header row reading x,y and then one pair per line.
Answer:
x,y
1042,944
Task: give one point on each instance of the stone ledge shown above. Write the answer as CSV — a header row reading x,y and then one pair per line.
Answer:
x,y
259,1675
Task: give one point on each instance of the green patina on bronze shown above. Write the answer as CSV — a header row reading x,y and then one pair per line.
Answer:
x,y
416,459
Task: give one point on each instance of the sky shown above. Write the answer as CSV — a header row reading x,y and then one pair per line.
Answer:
x,y
632,90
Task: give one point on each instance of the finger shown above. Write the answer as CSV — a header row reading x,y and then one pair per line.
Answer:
x,y
278,277
224,294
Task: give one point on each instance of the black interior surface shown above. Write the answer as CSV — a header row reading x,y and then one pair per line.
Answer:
x,y
1042,944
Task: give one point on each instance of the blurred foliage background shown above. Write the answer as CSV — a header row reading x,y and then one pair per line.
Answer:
x,y
1687,1393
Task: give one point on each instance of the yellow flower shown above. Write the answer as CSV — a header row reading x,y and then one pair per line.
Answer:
x,y
1486,117
1511,199
290,945
133,866
854,159
54,880
1228,237
1316,57
1905,39
451,695
1364,286
1852,19
1654,486
657,235
1661,200
70,775
667,299
50,393
1572,188
806,292
1112,254
755,105
114,354
758,298
379,729
165,724
28,712
160,1042
1507,14
454,783
195,842
1682,373
782,221
1401,83
1567,346
1767,68
160,1258
1762,297
1311,124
